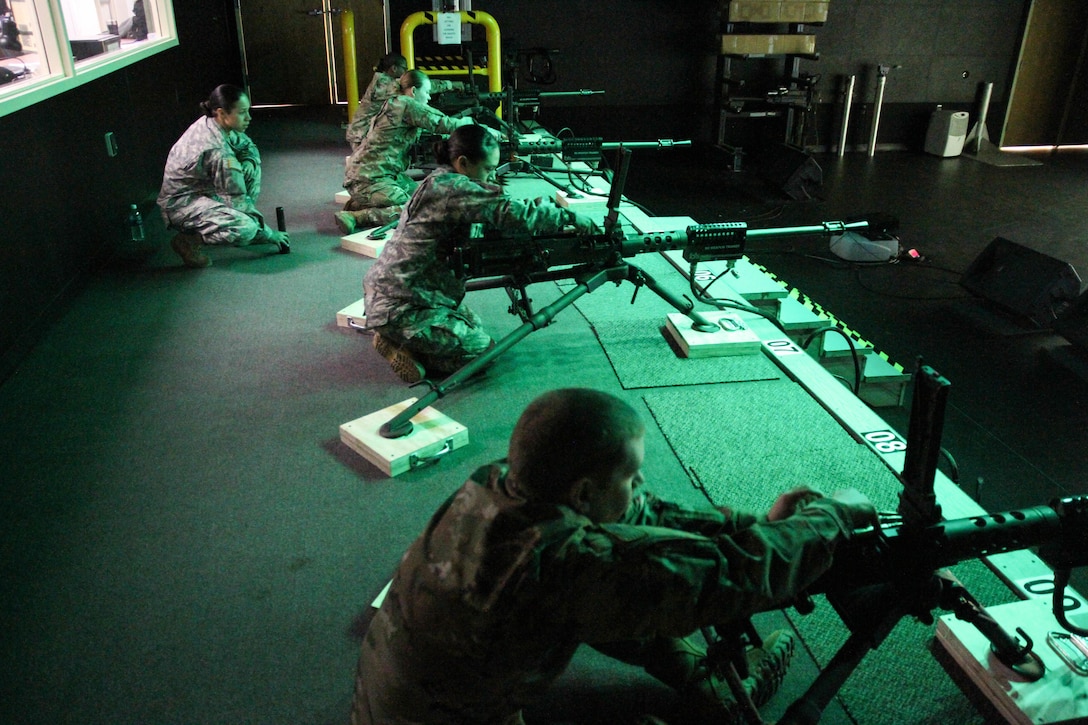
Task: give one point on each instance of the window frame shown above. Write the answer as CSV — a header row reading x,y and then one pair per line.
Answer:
x,y
66,73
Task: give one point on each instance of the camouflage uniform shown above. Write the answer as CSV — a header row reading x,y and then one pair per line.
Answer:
x,y
412,297
382,87
489,604
211,184
375,175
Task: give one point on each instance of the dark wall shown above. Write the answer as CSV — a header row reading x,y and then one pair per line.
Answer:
x,y
938,52
656,61
64,199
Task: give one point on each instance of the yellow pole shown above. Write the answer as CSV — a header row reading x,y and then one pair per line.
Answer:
x,y
351,75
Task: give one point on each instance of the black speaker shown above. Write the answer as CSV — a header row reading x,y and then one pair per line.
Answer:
x,y
1022,281
1072,323
789,168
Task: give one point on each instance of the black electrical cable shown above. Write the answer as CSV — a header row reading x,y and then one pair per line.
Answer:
x,y
849,342
700,294
884,293
540,172
954,469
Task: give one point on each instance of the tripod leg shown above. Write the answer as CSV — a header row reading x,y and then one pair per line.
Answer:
x,y
401,425
638,277
809,708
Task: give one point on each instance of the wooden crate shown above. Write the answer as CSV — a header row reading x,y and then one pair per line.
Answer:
x,y
353,316
733,337
433,434
360,243
1061,696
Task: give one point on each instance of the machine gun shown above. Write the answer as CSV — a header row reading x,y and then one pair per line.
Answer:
x,y
896,569
590,261
587,149
514,101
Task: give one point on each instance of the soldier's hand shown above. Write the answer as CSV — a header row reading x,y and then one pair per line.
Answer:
x,y
791,501
862,509
584,225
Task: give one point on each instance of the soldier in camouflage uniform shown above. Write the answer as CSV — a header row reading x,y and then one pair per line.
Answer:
x,y
383,86
375,175
414,301
212,180
558,545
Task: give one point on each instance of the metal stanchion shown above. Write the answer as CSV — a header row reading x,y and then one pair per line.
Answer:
x,y
877,104
978,133
847,102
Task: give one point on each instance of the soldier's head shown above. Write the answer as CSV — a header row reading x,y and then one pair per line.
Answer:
x,y
471,150
229,106
393,65
578,447
416,84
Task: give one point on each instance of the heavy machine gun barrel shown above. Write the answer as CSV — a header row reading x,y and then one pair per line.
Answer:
x,y
585,148
527,257
900,552
533,96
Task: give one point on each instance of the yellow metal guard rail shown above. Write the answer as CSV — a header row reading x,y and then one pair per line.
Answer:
x,y
494,44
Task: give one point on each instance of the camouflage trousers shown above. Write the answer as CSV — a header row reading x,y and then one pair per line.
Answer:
x,y
217,223
380,202
441,339
382,192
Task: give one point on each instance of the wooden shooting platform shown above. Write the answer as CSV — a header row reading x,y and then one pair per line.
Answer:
x,y
1061,696
433,435
733,336
352,317
359,243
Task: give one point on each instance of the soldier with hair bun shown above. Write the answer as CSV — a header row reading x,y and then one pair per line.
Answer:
x,y
212,180
383,86
375,175
415,304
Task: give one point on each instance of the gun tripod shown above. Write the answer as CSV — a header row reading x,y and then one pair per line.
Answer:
x,y
596,262
588,278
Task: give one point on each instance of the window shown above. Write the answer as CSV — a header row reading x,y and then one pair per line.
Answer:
x,y
50,46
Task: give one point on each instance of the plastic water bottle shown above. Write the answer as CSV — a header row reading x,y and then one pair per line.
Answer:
x,y
135,224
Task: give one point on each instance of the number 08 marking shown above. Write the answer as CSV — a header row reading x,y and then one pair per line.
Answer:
x,y
885,441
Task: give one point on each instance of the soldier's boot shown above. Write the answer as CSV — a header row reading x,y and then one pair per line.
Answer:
x,y
406,367
188,247
705,693
345,222
767,666
350,221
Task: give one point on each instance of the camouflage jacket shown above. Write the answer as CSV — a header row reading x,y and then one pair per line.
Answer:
x,y
382,87
208,162
412,271
489,604
397,125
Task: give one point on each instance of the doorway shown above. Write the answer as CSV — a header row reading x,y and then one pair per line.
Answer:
x,y
292,50
1048,89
